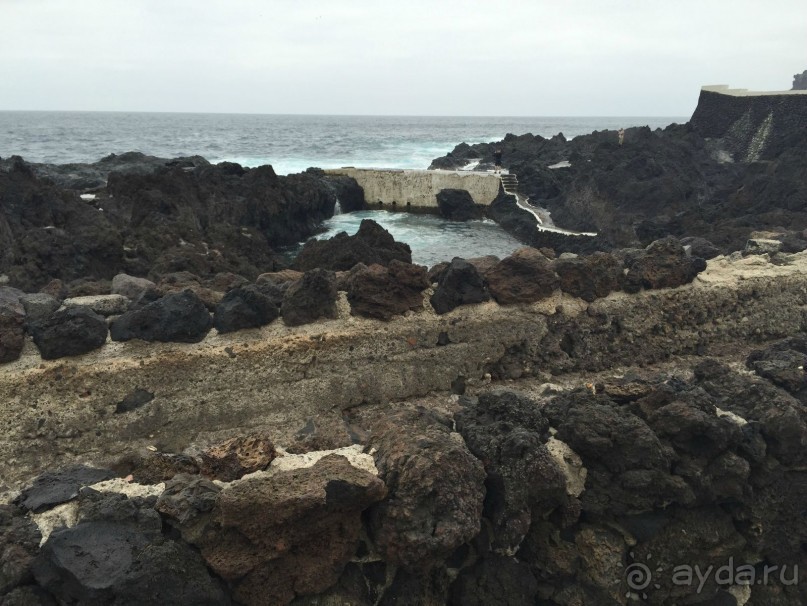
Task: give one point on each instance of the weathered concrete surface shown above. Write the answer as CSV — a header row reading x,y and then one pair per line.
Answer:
x,y
277,378
419,188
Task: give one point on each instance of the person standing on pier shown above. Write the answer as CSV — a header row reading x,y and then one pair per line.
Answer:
x,y
621,134
497,160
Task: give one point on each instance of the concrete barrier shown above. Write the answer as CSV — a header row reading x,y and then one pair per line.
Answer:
x,y
419,188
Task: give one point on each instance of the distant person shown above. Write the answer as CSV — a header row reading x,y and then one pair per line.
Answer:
x,y
497,160
621,134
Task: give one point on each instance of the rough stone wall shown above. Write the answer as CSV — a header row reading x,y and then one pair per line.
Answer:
x,y
419,188
280,378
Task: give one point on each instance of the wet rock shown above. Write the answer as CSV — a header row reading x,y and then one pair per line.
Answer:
x,y
508,433
525,276
436,490
55,487
457,205
372,244
19,543
495,581
103,305
590,277
290,533
664,264
384,292
237,457
134,400
310,298
245,307
180,317
459,284
38,306
130,287
69,332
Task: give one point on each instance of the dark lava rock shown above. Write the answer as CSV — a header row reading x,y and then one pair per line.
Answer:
x,y
590,277
700,247
28,595
12,332
508,433
495,581
38,306
187,497
134,400
664,264
783,364
88,287
116,554
310,298
158,467
436,489
19,543
245,307
55,487
69,332
371,244
180,317
525,276
457,205
130,286
237,457
459,284
384,292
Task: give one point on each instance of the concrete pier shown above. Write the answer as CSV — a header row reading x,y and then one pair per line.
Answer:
x,y
419,188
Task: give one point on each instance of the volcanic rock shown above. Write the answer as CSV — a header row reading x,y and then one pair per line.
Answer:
x,y
495,581
180,317
130,286
55,487
457,205
38,306
104,305
19,543
590,277
525,276
237,457
69,332
310,298
384,292
12,331
664,264
459,284
245,307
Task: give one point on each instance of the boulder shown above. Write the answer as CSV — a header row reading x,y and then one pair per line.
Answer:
x,y
700,247
69,332
436,490
589,277
245,307
19,543
104,305
181,317
384,292
38,306
371,244
525,276
237,457
457,205
310,298
459,284
664,264
12,331
508,433
130,286
55,487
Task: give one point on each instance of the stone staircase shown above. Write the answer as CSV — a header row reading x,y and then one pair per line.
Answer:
x,y
510,183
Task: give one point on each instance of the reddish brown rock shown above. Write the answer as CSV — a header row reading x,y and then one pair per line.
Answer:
x,y
384,292
589,278
664,264
237,457
12,334
525,276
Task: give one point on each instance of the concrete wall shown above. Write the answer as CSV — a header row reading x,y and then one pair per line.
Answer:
x,y
419,188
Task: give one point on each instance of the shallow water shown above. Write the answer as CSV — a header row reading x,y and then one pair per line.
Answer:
x,y
431,238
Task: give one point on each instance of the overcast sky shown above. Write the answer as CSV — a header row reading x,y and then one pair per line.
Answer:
x,y
437,57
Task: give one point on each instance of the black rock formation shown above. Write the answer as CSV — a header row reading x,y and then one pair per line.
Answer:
x,y
69,332
180,317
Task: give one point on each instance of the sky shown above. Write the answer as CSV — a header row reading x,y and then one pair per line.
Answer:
x,y
413,57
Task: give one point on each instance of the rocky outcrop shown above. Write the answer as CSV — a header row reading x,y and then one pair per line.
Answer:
x,y
525,276
800,81
457,205
180,317
664,264
372,244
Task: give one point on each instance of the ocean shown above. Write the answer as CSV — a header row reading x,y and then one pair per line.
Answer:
x,y
290,143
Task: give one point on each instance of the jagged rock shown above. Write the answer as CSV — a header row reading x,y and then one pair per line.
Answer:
x,y
384,292
130,286
237,457
459,284
590,277
116,554
274,536
525,276
436,489
55,487
69,332
495,581
507,432
19,543
371,244
664,264
180,317
310,298
38,306
104,305
457,205
245,307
